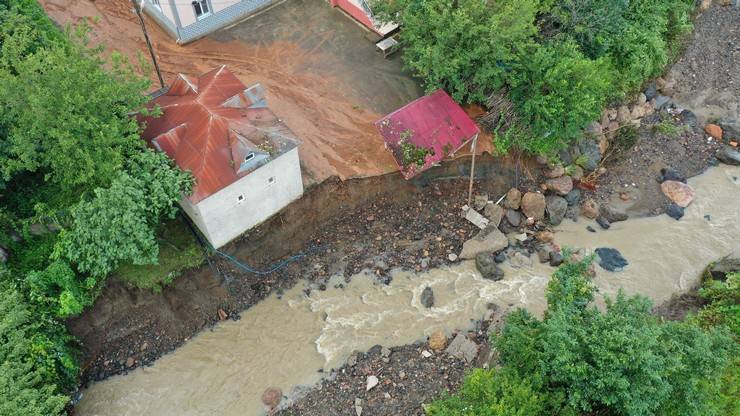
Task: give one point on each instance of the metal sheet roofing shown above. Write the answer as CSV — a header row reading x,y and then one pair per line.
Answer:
x,y
433,122
210,125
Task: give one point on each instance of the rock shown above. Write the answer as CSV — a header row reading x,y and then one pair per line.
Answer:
x,y
556,259
488,240
352,360
611,130
541,159
674,211
271,397
590,229
594,128
556,207
533,205
623,114
637,112
555,172
371,382
500,257
662,102
603,222
518,260
641,98
475,218
651,91
513,199
576,172
729,155
543,253
521,237
385,352
730,128
590,154
688,117
590,209
704,5
668,174
603,142
130,362
545,236
463,348
494,213
426,354
565,157
721,268
612,215
222,315
678,192
513,217
561,185
486,265
427,297
452,257
424,263
611,259
438,340
480,202
573,197
358,406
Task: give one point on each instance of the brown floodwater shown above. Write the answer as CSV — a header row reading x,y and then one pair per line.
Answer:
x,y
286,342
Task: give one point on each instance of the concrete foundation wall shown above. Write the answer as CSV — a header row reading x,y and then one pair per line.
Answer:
x,y
223,216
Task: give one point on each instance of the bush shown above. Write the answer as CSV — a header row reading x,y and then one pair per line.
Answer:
x,y
623,361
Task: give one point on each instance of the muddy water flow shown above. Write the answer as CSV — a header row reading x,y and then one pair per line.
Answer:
x,y
285,342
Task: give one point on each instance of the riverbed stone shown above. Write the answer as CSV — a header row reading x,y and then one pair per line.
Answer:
x,y
533,205
494,213
519,260
513,217
487,240
438,340
612,214
555,172
603,222
714,131
729,155
669,174
730,128
591,155
674,211
556,259
427,297
486,265
561,185
611,259
680,193
513,199
480,202
573,197
463,348
271,397
556,207
590,209
543,253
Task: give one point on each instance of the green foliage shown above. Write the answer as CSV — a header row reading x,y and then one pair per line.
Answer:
x,y
723,304
413,154
34,358
492,393
466,47
626,136
178,251
668,128
622,361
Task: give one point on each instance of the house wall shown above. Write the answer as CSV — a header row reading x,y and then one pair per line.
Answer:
x,y
222,217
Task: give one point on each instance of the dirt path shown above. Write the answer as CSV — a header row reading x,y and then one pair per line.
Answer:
x,y
328,106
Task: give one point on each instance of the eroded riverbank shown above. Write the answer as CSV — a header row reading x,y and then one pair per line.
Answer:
x,y
285,342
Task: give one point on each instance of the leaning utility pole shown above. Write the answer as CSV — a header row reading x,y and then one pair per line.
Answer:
x,y
137,8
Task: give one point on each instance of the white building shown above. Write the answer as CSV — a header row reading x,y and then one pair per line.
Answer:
x,y
244,159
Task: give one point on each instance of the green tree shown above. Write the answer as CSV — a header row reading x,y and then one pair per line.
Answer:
x,y
27,386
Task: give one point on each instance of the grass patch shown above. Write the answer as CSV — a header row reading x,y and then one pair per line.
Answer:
x,y
178,251
668,128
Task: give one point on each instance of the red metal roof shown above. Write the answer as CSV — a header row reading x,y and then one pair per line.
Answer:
x,y
434,122
208,126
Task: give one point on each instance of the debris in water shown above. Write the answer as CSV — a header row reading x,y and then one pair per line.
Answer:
x,y
611,259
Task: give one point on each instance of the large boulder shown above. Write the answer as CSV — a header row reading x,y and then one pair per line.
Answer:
x,y
533,205
680,193
494,213
513,199
611,259
729,155
486,265
561,185
488,240
556,207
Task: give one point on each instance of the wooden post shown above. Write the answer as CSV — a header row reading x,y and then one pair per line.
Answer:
x,y
137,8
473,148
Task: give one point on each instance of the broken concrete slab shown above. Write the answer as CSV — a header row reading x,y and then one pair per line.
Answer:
x,y
488,240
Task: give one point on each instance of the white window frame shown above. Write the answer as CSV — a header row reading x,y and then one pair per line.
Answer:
x,y
201,4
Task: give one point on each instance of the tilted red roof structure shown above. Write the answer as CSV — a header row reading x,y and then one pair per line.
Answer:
x,y
435,122
212,126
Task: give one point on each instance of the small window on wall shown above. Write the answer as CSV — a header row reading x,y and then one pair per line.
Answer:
x,y
201,8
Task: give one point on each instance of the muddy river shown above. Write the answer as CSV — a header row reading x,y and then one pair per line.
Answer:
x,y
288,342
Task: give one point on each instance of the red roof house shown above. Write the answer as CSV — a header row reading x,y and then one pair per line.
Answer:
x,y
243,157
429,129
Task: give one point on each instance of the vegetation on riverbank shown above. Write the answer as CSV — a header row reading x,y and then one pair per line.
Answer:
x,y
624,361
80,196
558,62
